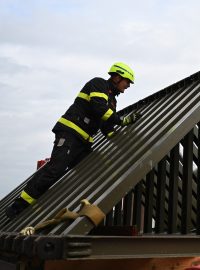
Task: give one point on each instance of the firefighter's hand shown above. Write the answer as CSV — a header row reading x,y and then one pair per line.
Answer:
x,y
131,118
110,134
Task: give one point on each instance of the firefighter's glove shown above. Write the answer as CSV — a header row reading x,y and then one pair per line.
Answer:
x,y
110,134
130,119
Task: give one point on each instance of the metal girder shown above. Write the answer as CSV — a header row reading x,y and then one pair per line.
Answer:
x,y
106,247
145,246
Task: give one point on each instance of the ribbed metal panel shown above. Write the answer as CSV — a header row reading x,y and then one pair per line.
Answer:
x,y
137,153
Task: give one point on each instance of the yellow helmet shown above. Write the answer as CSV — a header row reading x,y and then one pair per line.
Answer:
x,y
123,70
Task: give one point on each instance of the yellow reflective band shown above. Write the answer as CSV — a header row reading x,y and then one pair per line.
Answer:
x,y
27,198
92,94
84,96
108,114
97,94
77,128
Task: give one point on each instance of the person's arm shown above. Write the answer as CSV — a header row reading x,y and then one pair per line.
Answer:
x,y
99,102
107,129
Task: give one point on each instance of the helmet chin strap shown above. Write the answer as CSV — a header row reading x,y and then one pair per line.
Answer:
x,y
116,87
115,82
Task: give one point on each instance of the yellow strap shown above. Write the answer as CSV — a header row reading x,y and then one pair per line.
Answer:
x,y
107,114
63,215
70,124
27,198
93,212
98,94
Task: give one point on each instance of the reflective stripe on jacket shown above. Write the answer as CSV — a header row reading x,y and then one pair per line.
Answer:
x,y
95,103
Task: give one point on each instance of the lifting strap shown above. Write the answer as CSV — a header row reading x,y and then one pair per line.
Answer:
x,y
93,212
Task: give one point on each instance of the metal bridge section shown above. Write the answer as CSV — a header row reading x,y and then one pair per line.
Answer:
x,y
145,179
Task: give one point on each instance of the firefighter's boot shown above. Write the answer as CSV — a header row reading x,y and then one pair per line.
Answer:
x,y
16,208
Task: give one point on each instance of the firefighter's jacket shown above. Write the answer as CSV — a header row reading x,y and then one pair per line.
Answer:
x,y
93,108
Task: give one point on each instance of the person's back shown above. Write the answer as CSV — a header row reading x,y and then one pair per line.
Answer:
x,y
89,107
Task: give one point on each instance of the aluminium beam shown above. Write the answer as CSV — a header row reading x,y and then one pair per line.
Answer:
x,y
143,247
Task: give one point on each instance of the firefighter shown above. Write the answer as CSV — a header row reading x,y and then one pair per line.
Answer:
x,y
93,108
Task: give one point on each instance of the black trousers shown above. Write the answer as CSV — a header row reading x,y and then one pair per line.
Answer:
x,y
68,151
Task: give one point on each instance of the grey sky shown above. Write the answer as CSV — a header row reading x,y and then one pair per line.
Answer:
x,y
49,49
